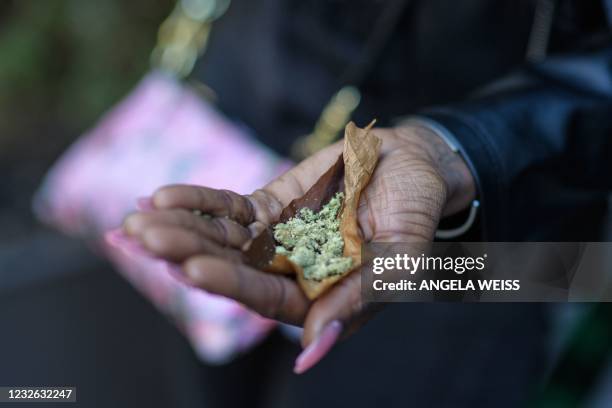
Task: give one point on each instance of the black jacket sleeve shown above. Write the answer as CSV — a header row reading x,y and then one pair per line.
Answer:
x,y
540,142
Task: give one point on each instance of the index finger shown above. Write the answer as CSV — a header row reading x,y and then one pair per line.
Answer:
x,y
218,203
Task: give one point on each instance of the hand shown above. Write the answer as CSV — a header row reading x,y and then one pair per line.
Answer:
x,y
418,179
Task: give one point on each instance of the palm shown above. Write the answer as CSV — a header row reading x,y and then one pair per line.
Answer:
x,y
402,202
417,177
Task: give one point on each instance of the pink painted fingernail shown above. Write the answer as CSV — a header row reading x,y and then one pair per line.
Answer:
x,y
118,239
134,247
145,204
316,350
176,271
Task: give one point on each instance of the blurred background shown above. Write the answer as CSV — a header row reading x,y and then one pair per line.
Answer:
x,y
63,63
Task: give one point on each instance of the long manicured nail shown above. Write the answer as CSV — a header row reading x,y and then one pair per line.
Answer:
x,y
316,350
116,237
145,204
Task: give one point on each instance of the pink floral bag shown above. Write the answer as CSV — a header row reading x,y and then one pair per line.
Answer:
x,y
162,133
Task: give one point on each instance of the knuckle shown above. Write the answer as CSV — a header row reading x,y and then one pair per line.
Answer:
x,y
265,206
353,304
228,203
278,298
239,285
248,213
201,198
356,300
221,230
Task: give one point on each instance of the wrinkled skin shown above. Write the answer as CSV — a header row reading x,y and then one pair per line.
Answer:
x,y
418,180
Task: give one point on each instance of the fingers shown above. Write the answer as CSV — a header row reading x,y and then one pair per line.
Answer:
x,y
222,231
268,202
343,303
177,244
270,295
264,205
318,348
218,203
338,313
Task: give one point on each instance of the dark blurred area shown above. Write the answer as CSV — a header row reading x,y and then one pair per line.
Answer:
x,y
63,64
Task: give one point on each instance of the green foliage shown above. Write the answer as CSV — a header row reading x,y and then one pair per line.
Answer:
x,y
64,62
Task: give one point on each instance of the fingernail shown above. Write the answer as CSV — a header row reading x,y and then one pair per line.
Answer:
x,y
316,350
118,239
115,237
177,272
145,204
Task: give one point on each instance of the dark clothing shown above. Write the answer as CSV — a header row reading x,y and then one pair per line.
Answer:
x,y
542,146
276,63
540,140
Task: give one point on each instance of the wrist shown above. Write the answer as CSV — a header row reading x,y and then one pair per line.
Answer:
x,y
452,168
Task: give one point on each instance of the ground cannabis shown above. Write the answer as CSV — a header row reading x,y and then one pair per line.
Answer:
x,y
313,241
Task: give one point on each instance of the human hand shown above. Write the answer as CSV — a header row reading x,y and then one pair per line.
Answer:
x,y
417,180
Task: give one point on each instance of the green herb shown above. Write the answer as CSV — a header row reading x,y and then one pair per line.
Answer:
x,y
199,213
313,241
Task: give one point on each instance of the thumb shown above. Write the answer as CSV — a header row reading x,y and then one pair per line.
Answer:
x,y
341,303
338,313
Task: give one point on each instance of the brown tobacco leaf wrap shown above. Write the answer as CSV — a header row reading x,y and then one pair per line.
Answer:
x,y
361,150
356,164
